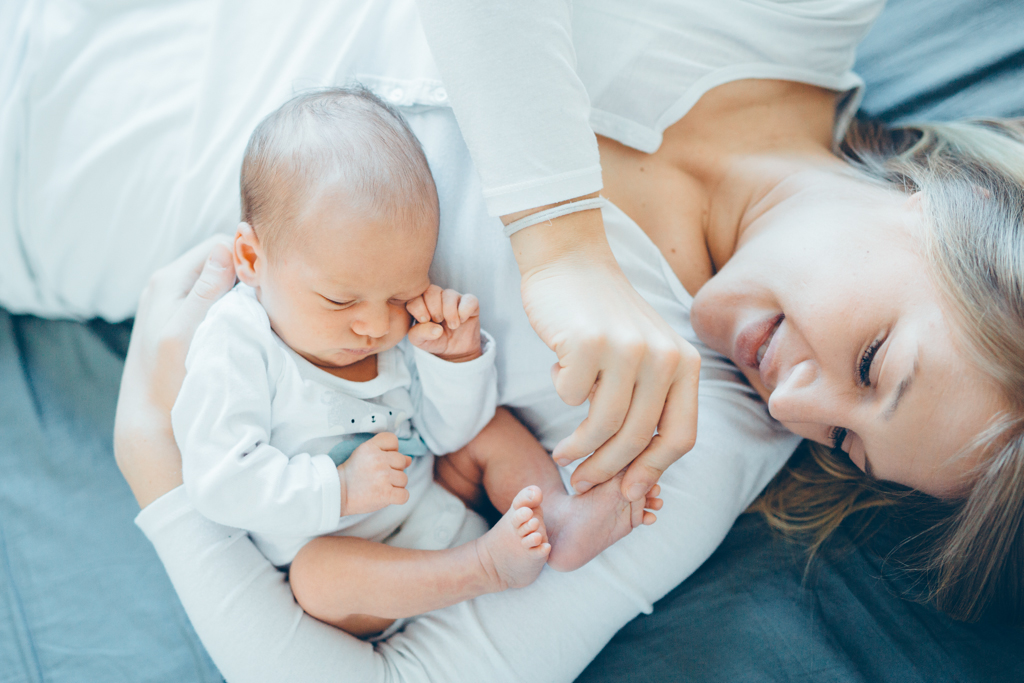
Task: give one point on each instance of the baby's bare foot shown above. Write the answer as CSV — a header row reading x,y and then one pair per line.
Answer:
x,y
581,527
514,551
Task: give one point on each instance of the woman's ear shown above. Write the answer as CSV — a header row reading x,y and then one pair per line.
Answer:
x,y
248,255
914,201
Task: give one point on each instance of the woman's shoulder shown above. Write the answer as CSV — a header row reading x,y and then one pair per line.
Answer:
x,y
646,64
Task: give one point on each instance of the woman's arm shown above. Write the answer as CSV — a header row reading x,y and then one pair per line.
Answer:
x,y
244,612
171,307
240,605
509,69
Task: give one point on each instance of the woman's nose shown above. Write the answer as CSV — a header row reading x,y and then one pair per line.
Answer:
x,y
803,396
373,321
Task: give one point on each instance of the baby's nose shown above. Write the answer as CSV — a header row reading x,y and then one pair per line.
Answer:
x,y
374,324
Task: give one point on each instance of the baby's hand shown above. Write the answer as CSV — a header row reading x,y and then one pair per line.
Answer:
x,y
373,477
448,324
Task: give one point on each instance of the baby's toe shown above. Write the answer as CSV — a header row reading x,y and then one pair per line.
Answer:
x,y
522,516
533,540
529,497
529,526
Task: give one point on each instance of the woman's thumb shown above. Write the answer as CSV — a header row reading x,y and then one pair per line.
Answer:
x,y
217,277
215,280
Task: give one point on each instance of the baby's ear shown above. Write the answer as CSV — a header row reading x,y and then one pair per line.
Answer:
x,y
247,255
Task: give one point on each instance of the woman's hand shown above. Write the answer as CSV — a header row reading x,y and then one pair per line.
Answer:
x,y
613,349
173,304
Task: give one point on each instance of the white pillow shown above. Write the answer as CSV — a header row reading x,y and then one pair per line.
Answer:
x,y
123,126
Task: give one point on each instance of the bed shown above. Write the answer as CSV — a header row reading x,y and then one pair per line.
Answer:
x,y
84,598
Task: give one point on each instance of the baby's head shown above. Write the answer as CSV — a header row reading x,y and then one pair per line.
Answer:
x,y
339,224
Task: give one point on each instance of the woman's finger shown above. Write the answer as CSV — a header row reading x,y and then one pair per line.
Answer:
x,y
609,405
576,373
643,409
215,279
181,274
450,307
677,432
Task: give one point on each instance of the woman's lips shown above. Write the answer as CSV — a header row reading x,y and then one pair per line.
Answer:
x,y
753,343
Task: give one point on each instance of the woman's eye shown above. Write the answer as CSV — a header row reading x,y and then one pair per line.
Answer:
x,y
837,435
864,367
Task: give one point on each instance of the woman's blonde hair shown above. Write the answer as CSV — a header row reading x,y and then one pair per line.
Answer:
x,y
971,176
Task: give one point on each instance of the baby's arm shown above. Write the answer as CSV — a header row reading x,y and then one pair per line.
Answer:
x,y
222,423
455,388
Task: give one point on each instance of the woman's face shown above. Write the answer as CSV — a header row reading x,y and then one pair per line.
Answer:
x,y
828,307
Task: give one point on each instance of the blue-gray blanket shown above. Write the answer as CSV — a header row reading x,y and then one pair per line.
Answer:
x,y
83,597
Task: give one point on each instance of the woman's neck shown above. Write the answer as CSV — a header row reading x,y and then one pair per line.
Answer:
x,y
717,168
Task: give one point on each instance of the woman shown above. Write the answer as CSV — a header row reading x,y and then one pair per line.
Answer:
x,y
794,237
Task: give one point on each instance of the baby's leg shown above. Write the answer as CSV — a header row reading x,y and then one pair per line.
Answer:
x,y
505,456
343,580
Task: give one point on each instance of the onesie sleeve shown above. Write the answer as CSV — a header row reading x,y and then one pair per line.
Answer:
x,y
509,68
453,401
222,423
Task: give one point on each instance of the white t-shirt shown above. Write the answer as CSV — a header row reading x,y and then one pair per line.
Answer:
x,y
532,80
255,423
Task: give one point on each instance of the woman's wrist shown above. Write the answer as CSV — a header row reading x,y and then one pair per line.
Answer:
x,y
576,235
147,454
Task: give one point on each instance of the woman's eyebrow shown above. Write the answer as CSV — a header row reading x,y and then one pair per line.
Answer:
x,y
901,391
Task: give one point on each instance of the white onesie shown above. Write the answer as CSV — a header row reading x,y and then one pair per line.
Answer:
x,y
255,422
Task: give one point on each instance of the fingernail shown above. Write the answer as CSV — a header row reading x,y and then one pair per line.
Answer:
x,y
563,462
637,491
583,486
220,259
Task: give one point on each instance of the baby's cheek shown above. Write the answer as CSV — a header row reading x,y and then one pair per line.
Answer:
x,y
401,321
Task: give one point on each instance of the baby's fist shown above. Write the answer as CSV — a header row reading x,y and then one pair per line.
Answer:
x,y
447,324
373,477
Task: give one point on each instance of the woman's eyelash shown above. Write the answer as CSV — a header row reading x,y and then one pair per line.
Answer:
x,y
864,368
837,435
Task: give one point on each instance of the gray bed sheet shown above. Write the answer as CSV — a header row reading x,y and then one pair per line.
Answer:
x,y
83,596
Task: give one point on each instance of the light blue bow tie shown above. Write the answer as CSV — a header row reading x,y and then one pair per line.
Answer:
x,y
343,451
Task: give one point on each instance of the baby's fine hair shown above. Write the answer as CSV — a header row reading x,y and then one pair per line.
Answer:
x,y
343,138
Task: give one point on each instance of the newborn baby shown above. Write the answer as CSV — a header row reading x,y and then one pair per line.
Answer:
x,y
311,408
